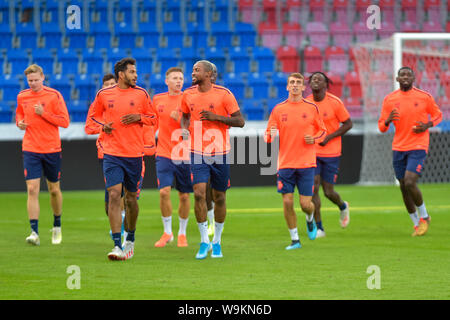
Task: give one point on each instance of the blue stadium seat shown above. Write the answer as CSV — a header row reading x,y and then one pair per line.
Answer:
x,y
5,36
199,35
18,59
86,86
265,58
144,60
272,102
4,11
189,56
5,112
246,33
222,34
157,83
198,6
101,8
77,38
69,61
253,109
172,31
126,7
10,86
51,7
115,55
77,110
102,35
62,84
27,4
149,8
27,35
279,80
173,6
167,58
235,83
221,7
44,58
126,34
260,85
150,35
94,61
216,56
52,35
240,58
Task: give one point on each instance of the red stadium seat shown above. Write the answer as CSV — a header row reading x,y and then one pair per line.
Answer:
x,y
337,86
318,34
341,34
248,10
433,8
354,107
293,34
409,7
270,34
269,7
387,10
387,29
363,34
313,59
290,60
445,82
361,7
293,8
316,7
337,60
354,84
340,8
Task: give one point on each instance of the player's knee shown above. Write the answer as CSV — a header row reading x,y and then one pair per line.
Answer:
x,y
164,193
409,183
114,195
288,202
33,190
306,205
199,195
219,198
328,193
184,197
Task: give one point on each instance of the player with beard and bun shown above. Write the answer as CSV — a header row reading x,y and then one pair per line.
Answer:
x,y
413,112
208,111
122,110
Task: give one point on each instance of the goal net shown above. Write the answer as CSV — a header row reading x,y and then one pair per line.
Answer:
x,y
377,64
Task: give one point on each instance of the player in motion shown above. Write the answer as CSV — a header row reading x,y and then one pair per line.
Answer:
x,y
208,111
123,109
172,164
299,125
328,152
40,112
413,112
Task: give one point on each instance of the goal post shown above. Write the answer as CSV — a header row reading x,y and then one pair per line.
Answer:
x,y
377,64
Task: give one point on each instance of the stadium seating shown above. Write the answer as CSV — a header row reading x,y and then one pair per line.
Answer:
x,y
293,9
353,106
253,109
270,34
432,8
265,59
87,86
115,55
216,56
240,59
93,60
6,36
126,35
18,59
222,34
174,34
409,9
259,85
337,86
144,60
77,110
101,34
45,59
10,87
279,81
167,58
61,82
52,35
157,83
353,83
149,10
337,59
317,9
235,83
289,58
69,61
318,34
246,33
198,34
313,59
149,33
78,38
5,112
26,32
51,10
293,34
387,10
341,34
340,8
4,12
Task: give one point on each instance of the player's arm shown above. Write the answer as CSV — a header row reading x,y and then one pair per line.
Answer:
x,y
234,120
435,118
20,117
387,116
59,117
98,109
272,128
320,131
92,127
346,125
185,123
147,117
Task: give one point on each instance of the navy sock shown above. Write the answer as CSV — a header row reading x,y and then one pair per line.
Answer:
x,y
34,225
117,238
343,207
319,225
130,235
56,221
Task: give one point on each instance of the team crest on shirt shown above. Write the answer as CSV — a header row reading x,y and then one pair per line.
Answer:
x,y
211,107
191,106
416,104
161,108
304,116
284,117
131,103
325,115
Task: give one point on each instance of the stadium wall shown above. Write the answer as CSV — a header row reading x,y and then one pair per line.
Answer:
x,y
81,169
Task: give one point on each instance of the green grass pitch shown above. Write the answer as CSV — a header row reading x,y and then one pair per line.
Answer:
x,y
255,264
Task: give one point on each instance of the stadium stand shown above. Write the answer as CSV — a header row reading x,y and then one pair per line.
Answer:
x,y
254,43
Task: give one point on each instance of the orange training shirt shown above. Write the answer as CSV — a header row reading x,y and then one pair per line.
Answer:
x,y
413,105
92,127
170,146
110,105
213,138
294,120
333,113
42,133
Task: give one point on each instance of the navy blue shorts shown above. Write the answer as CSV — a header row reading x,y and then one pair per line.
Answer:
x,y
106,190
287,179
34,163
123,170
168,171
328,168
408,160
217,168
